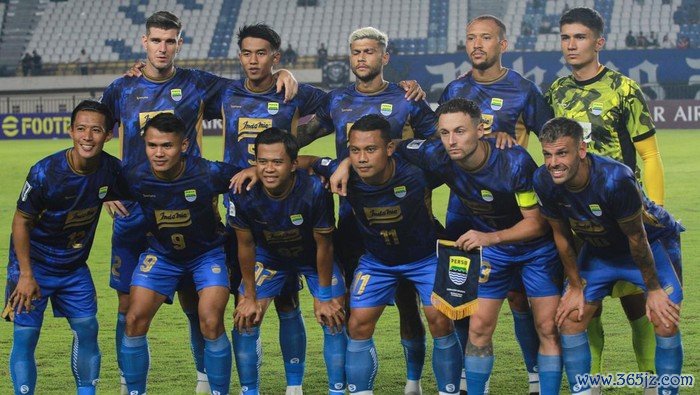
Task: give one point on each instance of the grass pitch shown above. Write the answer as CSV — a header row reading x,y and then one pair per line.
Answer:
x,y
172,369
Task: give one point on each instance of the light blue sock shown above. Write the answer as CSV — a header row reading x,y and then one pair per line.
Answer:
x,y
248,353
447,363
86,357
293,345
217,361
22,362
577,360
196,341
550,373
478,371
361,365
526,334
414,352
669,359
119,338
136,362
334,346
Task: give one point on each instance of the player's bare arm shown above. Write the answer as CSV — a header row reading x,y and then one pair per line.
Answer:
x,y
27,288
248,311
658,301
339,179
328,312
530,227
573,299
310,131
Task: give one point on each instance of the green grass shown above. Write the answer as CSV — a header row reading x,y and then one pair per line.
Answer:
x,y
172,370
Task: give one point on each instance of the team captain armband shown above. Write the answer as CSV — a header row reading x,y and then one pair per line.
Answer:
x,y
526,199
456,280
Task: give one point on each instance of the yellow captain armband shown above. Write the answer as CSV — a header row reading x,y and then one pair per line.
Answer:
x,y
526,199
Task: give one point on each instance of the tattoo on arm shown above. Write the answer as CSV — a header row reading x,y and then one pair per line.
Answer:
x,y
641,251
309,132
475,351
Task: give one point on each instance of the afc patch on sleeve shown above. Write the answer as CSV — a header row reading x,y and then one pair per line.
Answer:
x,y
25,191
231,209
415,144
326,161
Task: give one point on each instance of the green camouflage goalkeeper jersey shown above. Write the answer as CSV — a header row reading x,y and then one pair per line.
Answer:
x,y
612,110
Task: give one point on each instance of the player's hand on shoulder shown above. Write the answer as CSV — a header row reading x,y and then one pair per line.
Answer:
x,y
248,314
135,70
25,292
339,178
572,301
116,208
413,90
503,139
285,80
330,314
661,310
239,179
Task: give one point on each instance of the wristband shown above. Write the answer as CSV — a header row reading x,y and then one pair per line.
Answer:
x,y
325,294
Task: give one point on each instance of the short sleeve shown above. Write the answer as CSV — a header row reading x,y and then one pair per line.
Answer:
x,y
537,111
325,167
110,98
423,119
312,100
235,216
323,114
639,123
624,197
324,220
32,200
221,174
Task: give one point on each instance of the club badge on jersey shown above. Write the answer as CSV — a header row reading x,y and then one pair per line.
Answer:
x,y
456,280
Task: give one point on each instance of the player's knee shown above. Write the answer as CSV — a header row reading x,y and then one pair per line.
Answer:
x,y
572,325
439,324
518,301
136,323
360,330
211,324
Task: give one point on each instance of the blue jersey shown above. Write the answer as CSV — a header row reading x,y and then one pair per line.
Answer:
x,y
510,104
247,113
67,206
181,215
395,219
343,106
284,227
190,94
493,194
611,196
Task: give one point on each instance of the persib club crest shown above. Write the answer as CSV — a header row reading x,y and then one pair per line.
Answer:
x,y
176,94
386,109
496,103
191,195
297,219
103,191
273,108
595,209
486,195
400,191
458,269
596,108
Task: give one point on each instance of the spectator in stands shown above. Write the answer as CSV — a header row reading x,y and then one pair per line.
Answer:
x,y
545,27
461,47
26,64
527,28
653,40
36,63
321,56
642,41
83,62
666,42
683,43
630,41
289,55
391,48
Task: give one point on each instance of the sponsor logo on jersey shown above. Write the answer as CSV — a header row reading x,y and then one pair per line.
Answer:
x,y
458,269
386,109
486,195
487,122
496,103
173,218
80,217
25,191
383,215
400,191
415,144
596,108
585,226
273,108
103,191
191,195
251,127
595,209
296,219
176,94
146,116
282,236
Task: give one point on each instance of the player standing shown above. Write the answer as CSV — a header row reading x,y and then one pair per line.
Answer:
x,y
284,230
177,195
509,104
617,124
623,234
52,233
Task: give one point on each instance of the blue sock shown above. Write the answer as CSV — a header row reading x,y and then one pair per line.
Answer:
x,y
414,352
136,362
577,359
22,362
248,353
89,390
217,362
447,362
196,341
361,365
119,338
293,345
478,371
85,358
550,373
529,342
669,358
334,346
